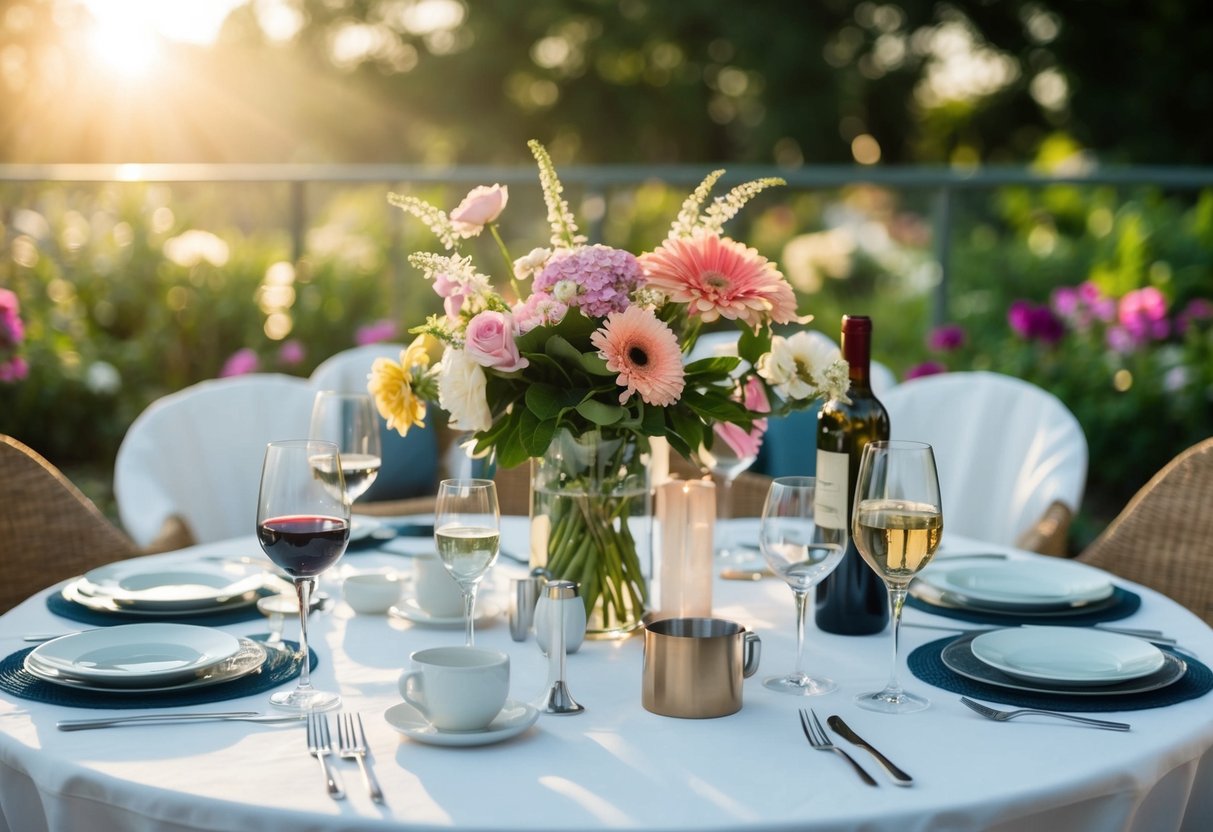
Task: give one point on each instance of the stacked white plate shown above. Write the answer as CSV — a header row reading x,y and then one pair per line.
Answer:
x,y
140,588
1029,586
1072,660
138,658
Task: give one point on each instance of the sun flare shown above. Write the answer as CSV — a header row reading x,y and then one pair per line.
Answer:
x,y
129,36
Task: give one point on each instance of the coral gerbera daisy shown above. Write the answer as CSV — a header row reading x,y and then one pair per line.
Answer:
x,y
717,277
644,352
393,386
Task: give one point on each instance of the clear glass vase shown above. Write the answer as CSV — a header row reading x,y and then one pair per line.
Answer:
x,y
591,522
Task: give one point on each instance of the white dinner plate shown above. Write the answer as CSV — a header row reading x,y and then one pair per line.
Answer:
x,y
248,659
168,587
1028,583
410,611
958,658
514,718
73,592
130,655
1069,655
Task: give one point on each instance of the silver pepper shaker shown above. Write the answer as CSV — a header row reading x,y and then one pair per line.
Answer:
x,y
558,699
572,609
526,592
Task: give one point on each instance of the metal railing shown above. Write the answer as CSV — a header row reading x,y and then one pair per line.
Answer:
x,y
942,183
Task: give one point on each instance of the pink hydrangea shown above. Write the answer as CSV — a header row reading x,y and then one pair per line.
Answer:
x,y
596,279
540,309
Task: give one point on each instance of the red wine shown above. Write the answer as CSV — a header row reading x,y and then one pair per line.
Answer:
x,y
304,545
852,600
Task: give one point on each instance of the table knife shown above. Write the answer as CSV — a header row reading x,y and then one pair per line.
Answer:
x,y
175,719
843,730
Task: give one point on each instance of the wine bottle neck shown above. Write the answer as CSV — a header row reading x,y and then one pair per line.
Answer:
x,y
857,350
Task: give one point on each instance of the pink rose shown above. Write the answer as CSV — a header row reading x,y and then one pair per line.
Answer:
x,y
481,206
746,444
489,341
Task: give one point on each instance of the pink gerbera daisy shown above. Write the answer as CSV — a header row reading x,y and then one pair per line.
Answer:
x,y
644,351
717,277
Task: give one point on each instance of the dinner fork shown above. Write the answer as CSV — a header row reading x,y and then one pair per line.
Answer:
x,y
820,740
1003,716
320,746
351,745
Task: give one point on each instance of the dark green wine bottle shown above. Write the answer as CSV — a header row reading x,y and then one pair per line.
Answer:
x,y
852,600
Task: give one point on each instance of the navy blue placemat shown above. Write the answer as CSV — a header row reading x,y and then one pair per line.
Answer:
x,y
62,607
1122,604
281,666
926,663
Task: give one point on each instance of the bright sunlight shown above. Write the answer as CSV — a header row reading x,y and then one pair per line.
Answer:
x,y
129,35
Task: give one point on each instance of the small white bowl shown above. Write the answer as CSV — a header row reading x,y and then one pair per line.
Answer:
x,y
372,593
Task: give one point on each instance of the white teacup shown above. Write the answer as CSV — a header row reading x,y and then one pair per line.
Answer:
x,y
371,593
435,590
457,688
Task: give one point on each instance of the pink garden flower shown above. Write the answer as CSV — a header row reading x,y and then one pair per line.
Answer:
x,y
292,353
644,352
540,309
926,368
747,443
947,338
720,278
489,341
375,333
241,362
480,207
14,369
12,329
1143,313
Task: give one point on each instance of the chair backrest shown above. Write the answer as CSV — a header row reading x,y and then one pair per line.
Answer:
x,y
51,531
1005,449
197,453
410,463
1162,537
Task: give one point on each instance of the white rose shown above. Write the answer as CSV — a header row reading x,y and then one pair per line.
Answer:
x,y
531,264
461,384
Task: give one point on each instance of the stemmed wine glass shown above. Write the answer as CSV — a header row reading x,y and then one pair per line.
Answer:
x,y
467,525
303,525
897,524
802,553
725,465
348,420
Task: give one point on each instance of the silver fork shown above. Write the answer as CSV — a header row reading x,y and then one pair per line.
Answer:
x,y
820,740
320,746
351,745
1003,716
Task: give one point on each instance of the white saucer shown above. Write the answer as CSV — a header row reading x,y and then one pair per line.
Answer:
x,y
410,611
514,718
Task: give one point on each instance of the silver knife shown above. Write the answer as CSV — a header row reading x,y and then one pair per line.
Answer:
x,y
171,719
843,730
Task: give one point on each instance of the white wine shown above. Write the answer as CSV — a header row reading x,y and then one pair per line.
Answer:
x,y
467,551
897,538
360,471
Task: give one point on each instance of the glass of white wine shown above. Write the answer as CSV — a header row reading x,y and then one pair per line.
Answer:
x,y
897,525
802,553
348,420
467,524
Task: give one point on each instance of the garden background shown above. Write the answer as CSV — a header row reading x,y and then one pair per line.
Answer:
x,y
1075,248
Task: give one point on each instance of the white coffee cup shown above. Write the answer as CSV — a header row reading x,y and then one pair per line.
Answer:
x,y
371,593
457,688
435,591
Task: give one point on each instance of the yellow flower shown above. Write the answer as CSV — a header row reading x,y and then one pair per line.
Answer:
x,y
391,385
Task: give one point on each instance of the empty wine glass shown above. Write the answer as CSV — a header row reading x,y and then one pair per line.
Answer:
x,y
348,420
303,525
467,523
897,524
725,465
802,553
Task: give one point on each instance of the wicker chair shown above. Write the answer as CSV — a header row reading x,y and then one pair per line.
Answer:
x,y
50,530
1162,537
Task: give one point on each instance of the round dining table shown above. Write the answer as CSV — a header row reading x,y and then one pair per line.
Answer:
x,y
615,765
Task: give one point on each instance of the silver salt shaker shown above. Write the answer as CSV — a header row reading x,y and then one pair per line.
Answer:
x,y
558,699
526,592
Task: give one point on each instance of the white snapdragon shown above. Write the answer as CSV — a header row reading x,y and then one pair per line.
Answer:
x,y
532,264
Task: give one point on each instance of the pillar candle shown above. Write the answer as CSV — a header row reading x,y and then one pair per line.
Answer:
x,y
686,515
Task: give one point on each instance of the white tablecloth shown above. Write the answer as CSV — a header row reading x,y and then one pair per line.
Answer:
x,y
616,766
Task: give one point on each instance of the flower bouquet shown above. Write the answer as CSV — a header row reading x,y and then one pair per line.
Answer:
x,y
579,372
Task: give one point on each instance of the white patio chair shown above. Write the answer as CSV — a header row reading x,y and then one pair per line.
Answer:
x,y
410,463
194,456
1009,454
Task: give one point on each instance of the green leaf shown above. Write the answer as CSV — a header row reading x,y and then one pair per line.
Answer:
x,y
716,365
688,428
601,414
548,401
595,365
535,434
753,345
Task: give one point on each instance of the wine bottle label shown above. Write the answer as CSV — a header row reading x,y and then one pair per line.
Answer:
x,y
830,498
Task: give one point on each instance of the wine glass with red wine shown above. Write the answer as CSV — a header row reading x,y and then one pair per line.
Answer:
x,y
303,525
